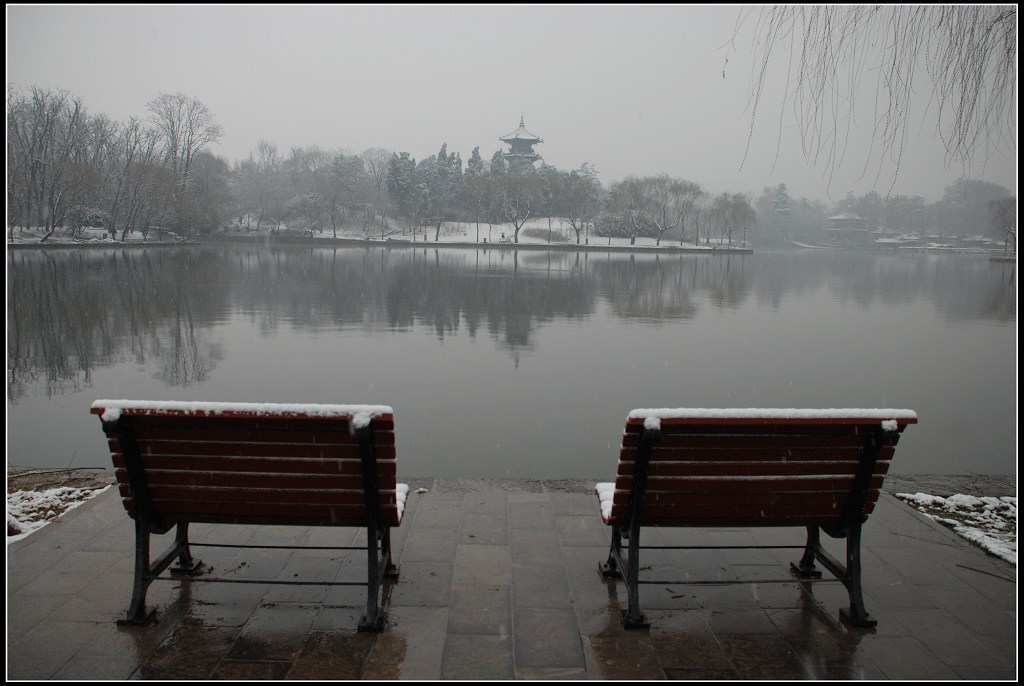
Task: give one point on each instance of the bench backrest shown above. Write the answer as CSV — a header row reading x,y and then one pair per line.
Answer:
x,y
248,463
755,467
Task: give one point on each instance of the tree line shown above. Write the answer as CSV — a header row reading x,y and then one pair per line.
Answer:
x,y
69,169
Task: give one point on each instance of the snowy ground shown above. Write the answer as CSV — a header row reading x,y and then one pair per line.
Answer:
x,y
989,522
37,497
534,232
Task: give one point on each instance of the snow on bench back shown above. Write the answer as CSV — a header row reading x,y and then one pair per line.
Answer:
x,y
361,415
652,417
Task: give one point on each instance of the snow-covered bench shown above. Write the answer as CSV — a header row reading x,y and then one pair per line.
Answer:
x,y
248,463
819,469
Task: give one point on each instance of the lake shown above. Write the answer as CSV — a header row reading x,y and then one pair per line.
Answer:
x,y
514,364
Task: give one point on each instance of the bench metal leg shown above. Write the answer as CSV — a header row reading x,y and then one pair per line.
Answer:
x,y
137,614
856,615
805,569
146,572
610,569
186,563
378,567
849,574
626,567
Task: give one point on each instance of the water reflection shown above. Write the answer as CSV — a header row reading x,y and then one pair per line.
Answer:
x,y
601,331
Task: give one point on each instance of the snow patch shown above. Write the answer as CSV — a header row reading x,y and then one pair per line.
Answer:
x,y
987,521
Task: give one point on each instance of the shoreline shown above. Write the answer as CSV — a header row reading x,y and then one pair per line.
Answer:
x,y
387,243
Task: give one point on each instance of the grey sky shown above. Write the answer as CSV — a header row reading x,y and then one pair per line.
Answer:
x,y
632,90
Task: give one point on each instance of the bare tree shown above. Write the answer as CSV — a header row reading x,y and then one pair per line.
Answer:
x,y
47,133
186,127
375,163
581,197
969,53
519,195
1004,220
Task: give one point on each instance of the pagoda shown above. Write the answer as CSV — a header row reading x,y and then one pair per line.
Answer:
x,y
520,154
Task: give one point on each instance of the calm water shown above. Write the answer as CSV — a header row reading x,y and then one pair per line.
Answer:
x,y
514,364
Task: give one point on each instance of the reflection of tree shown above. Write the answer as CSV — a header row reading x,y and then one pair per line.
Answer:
x,y
71,311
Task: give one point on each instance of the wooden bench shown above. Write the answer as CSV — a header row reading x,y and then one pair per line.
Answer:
x,y
819,469
245,463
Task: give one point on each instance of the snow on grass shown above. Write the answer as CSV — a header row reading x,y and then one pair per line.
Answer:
x,y
28,511
987,521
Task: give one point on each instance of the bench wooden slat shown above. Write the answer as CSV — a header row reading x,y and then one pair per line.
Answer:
x,y
200,434
730,441
386,464
257,480
350,515
252,448
748,468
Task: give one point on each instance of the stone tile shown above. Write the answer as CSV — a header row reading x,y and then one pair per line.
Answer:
x,y
430,544
436,513
423,584
531,515
339,620
273,633
250,670
976,612
760,656
577,503
492,502
105,668
547,638
411,647
469,657
535,546
951,641
331,656
540,586
582,530
42,652
742,622
25,612
482,564
700,674
906,658
480,609
484,529
192,651
550,674
616,654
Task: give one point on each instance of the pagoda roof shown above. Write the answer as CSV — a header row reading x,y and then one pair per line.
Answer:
x,y
521,134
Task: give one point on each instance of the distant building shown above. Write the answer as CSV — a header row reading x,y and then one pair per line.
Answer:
x,y
520,154
847,228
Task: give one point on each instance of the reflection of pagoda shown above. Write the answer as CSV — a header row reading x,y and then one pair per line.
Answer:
x,y
520,154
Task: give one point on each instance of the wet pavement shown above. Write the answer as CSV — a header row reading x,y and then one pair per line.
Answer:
x,y
499,580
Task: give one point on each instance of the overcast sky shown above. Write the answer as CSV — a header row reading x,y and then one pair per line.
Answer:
x,y
633,90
